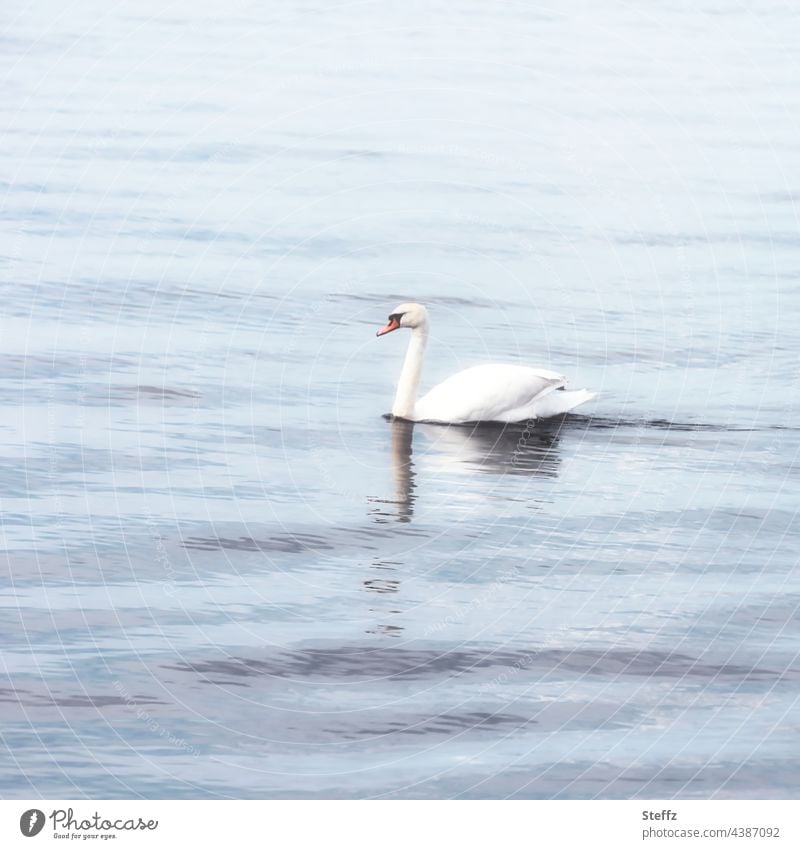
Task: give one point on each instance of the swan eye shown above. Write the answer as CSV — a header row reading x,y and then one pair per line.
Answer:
x,y
396,316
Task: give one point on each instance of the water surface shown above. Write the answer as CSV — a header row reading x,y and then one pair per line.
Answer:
x,y
227,575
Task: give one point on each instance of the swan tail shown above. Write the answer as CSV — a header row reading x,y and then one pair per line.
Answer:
x,y
557,403
552,404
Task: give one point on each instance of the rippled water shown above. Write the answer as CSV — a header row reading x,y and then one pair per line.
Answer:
x,y
227,574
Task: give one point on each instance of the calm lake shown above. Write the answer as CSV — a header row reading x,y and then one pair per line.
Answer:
x,y
225,573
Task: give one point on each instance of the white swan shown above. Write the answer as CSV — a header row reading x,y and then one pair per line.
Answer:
x,y
488,393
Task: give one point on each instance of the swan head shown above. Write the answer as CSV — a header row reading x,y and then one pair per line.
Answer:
x,y
405,315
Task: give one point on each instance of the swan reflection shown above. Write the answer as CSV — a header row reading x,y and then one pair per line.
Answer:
x,y
402,466
464,450
492,449
461,450
384,580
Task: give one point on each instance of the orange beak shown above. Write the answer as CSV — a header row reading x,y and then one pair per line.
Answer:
x,y
392,325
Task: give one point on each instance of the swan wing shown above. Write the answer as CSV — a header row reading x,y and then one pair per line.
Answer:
x,y
499,393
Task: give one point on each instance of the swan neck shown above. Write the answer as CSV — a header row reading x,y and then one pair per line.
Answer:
x,y
406,397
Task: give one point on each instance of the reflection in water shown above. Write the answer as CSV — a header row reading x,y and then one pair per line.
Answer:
x,y
382,585
487,448
387,581
403,472
403,468
384,581
386,629
495,449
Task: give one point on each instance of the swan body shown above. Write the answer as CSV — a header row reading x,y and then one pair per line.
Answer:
x,y
485,393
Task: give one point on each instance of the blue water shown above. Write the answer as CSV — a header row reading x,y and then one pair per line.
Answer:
x,y
225,573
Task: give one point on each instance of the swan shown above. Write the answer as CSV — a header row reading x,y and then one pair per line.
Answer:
x,y
487,393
